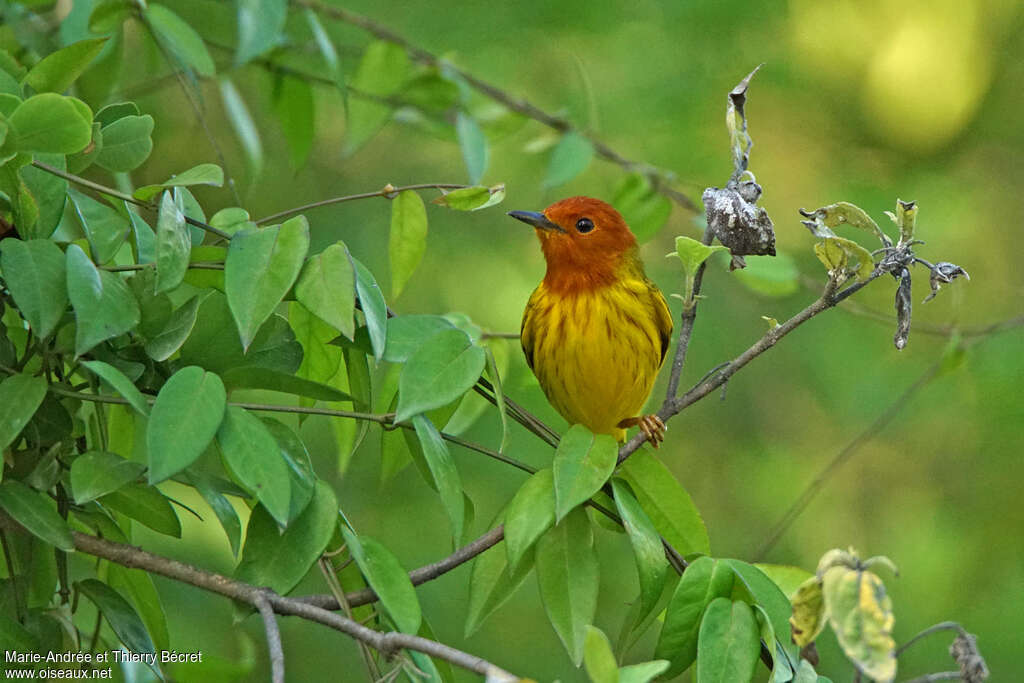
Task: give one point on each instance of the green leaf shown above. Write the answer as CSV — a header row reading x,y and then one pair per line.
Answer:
x,y
121,616
729,643
787,578
766,594
666,502
254,377
443,470
105,228
645,210
598,658
835,253
50,123
220,505
35,276
58,70
388,580
906,219
325,45
472,198
108,15
261,266
115,111
97,473
178,328
843,213
187,413
280,560
444,368
649,553
260,23
693,253
13,635
408,238
127,143
32,510
569,158
583,463
703,581
180,38
255,458
382,70
245,127
374,308
473,144
860,613
530,513
136,585
567,573
327,287
120,383
407,333
172,245
775,276
146,505
145,238
203,174
301,479
645,672
296,112
492,583
214,342
104,306
50,193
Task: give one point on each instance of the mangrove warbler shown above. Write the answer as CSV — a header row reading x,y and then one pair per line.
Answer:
x,y
595,330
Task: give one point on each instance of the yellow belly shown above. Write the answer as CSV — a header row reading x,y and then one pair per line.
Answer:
x,y
596,354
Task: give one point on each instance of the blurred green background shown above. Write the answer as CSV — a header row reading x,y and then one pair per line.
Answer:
x,y
862,101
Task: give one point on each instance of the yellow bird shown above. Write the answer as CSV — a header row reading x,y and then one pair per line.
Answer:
x,y
595,330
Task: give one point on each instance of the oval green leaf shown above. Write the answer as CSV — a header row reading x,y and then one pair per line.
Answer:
x,y
530,513
444,368
261,266
120,383
569,158
568,576
407,241
729,643
32,510
598,658
443,471
58,70
388,580
473,144
104,306
36,276
648,551
121,616
251,452
173,245
97,473
280,560
583,463
127,142
181,38
327,287
186,415
20,398
50,123
374,308
666,502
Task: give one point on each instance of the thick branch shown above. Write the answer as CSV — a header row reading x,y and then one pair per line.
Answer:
x,y
659,179
385,643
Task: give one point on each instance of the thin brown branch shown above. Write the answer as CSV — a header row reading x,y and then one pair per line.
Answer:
x,y
388,644
273,637
660,179
674,405
389,191
687,319
942,626
111,192
417,576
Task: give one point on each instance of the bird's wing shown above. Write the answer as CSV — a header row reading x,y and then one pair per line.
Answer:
x,y
527,332
662,317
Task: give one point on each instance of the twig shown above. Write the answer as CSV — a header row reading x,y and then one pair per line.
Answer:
x,y
659,179
815,485
942,626
109,191
273,637
388,191
932,678
388,644
417,576
686,322
198,265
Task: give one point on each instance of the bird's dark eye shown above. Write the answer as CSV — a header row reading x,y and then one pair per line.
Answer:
x,y
584,225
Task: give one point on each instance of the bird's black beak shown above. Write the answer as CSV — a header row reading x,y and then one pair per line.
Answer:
x,y
536,219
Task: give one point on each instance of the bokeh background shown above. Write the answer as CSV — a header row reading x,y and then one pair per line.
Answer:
x,y
862,101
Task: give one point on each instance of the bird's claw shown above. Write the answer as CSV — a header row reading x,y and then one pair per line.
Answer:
x,y
651,426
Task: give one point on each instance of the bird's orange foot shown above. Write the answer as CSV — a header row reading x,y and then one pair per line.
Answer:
x,y
651,425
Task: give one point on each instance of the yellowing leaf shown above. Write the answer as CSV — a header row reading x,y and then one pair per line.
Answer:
x,y
808,620
860,613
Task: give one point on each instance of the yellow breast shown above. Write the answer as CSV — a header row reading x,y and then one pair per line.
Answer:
x,y
596,353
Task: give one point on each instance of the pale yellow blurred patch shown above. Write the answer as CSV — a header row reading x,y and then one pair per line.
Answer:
x,y
921,68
